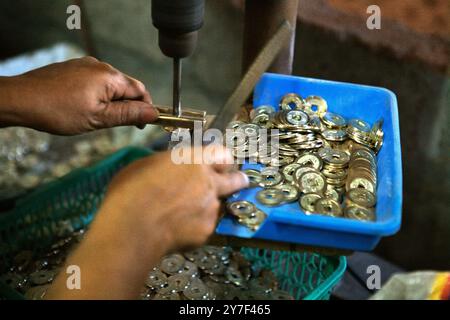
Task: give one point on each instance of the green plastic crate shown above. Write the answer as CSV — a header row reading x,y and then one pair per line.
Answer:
x,y
73,200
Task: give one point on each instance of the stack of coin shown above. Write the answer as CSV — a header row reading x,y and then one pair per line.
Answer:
x,y
358,130
247,214
362,172
333,121
262,116
361,132
240,139
290,119
335,163
376,136
361,185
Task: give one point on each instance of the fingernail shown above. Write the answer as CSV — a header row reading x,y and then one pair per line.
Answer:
x,y
156,111
246,179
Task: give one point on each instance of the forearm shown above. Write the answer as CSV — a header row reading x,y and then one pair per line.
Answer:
x,y
11,109
113,263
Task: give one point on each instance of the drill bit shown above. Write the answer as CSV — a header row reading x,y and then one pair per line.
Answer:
x,y
176,87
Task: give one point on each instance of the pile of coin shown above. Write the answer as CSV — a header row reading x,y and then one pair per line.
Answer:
x,y
210,273
206,273
323,161
31,273
29,158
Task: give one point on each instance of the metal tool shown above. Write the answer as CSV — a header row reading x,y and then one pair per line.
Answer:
x,y
178,22
186,119
252,76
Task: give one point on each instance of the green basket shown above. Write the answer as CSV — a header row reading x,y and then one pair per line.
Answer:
x,y
72,201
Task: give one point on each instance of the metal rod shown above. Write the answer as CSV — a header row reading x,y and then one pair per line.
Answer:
x,y
262,18
176,86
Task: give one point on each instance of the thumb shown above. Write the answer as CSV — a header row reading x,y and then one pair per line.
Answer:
x,y
128,113
231,182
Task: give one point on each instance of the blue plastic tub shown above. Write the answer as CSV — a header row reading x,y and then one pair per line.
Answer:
x,y
288,223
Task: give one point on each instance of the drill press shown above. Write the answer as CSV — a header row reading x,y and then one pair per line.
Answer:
x,y
178,22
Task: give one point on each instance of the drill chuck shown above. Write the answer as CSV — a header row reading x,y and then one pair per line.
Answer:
x,y
178,22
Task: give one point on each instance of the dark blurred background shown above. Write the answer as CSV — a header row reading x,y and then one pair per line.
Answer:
x,y
409,55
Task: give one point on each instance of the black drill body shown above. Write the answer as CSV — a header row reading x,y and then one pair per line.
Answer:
x,y
178,22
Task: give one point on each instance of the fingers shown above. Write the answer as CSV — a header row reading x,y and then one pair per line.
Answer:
x,y
124,87
228,179
220,165
219,157
127,113
124,93
229,183
136,91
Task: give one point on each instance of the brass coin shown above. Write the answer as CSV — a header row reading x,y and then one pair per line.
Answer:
x,y
261,120
334,135
289,171
292,101
361,183
333,120
250,129
178,282
254,221
195,255
172,264
269,170
265,109
297,117
234,276
308,202
359,125
241,208
359,213
302,170
362,197
328,207
324,152
365,153
42,277
234,125
337,158
270,197
334,173
315,105
332,194
310,160
290,192
270,179
312,182
156,279
189,269
196,290
254,176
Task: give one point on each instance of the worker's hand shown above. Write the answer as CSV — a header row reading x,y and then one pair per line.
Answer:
x,y
179,203
80,95
152,207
